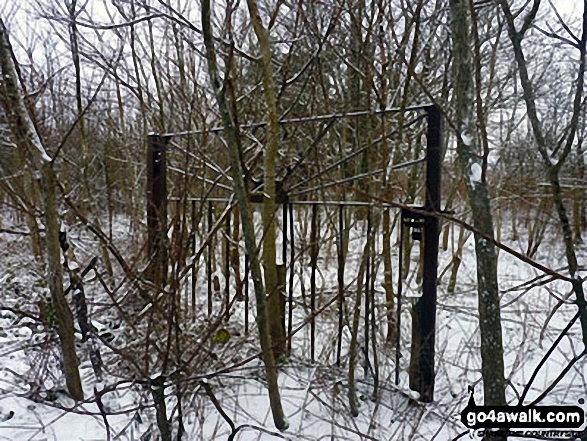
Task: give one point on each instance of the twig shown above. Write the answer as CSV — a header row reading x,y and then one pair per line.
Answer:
x,y
16,232
548,353
218,407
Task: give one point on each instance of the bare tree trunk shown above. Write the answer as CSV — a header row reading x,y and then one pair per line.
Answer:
x,y
553,170
357,85
473,167
579,194
386,188
456,261
158,393
247,221
269,206
85,168
26,134
354,343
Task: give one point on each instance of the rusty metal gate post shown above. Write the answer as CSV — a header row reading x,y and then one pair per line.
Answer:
x,y
425,308
156,271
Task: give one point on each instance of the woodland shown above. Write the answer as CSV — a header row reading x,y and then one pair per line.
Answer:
x,y
311,220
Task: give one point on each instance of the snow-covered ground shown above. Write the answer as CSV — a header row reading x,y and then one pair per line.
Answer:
x,y
34,406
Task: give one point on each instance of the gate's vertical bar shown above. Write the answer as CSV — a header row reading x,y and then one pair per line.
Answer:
x,y
246,278
291,277
193,209
367,290
426,306
313,263
285,238
227,265
399,297
340,277
156,270
209,262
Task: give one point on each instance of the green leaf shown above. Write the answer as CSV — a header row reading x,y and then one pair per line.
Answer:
x,y
222,336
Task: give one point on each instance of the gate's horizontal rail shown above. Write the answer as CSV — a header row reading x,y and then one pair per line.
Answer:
x,y
307,119
312,202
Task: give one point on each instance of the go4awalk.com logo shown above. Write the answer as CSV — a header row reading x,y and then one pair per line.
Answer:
x,y
552,417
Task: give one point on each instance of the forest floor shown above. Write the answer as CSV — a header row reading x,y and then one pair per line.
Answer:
x,y
34,406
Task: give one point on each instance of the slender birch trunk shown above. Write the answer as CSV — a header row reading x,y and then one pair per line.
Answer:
x,y
473,167
553,169
26,135
247,220
269,202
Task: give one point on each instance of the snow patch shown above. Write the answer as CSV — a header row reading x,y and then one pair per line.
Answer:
x,y
467,138
476,173
389,168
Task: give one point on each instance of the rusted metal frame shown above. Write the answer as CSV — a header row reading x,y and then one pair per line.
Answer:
x,y
426,305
